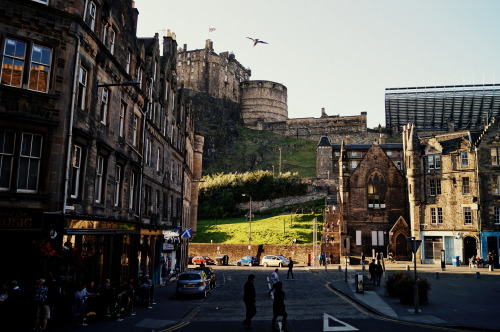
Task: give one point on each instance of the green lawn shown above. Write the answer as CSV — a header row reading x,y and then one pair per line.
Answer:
x,y
273,230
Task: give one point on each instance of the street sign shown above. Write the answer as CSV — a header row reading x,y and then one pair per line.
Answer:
x,y
341,326
415,244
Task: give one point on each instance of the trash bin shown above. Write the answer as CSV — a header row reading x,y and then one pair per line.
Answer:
x,y
359,282
456,261
222,259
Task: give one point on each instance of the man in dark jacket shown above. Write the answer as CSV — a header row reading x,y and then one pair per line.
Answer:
x,y
249,299
372,268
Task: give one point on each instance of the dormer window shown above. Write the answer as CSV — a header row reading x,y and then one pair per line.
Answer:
x,y
464,158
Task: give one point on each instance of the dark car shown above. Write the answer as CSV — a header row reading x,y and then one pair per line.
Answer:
x,y
248,260
210,274
192,283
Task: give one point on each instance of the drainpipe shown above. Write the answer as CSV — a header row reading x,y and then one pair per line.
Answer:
x,y
70,124
478,211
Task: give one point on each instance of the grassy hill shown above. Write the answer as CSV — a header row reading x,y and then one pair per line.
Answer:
x,y
280,229
259,150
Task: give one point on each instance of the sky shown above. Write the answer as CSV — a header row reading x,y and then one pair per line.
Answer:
x,y
341,55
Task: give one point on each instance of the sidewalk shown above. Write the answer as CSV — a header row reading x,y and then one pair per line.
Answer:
x,y
164,313
459,297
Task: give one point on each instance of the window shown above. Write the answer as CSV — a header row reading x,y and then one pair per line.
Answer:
x,y
127,65
464,158
99,179
132,204
147,199
29,162
112,37
436,216
353,164
76,164
139,76
377,238
105,32
45,2
496,185
40,68
434,161
165,206
158,159
104,105
358,238
434,187
496,216
82,88
494,156
135,131
432,247
376,191
467,216
121,125
465,186
118,185
89,15
147,153
7,148
13,62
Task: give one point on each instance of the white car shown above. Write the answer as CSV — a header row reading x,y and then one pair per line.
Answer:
x,y
274,260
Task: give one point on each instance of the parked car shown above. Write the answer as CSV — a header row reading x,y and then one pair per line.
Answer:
x,y
210,274
275,260
190,259
198,260
248,260
192,283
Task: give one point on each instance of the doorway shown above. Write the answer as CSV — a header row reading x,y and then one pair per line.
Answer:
x,y
470,248
401,247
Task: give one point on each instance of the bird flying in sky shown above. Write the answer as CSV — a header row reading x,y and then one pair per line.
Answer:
x,y
256,41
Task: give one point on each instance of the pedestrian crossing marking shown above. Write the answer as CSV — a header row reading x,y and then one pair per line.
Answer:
x,y
343,327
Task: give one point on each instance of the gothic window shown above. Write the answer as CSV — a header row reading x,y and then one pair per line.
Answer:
x,y
376,191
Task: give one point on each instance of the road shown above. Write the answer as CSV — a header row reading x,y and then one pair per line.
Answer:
x,y
311,305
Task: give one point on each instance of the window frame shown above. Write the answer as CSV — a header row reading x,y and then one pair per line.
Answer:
x,y
15,58
10,154
121,123
467,215
83,75
464,159
40,64
29,158
436,214
465,186
76,164
117,186
495,156
89,16
99,179
104,105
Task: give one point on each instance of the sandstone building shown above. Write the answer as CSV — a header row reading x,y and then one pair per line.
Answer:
x,y
99,158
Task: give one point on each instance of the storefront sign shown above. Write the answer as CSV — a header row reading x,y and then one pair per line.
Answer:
x,y
21,219
168,247
99,225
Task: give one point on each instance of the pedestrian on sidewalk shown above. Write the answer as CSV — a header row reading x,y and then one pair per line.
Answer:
x,y
274,279
249,300
378,273
42,305
362,259
279,307
372,269
290,268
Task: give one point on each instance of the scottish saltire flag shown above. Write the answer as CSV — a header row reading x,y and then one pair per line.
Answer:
x,y
187,232
211,29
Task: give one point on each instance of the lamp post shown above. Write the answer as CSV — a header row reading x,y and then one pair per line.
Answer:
x,y
280,163
415,244
249,223
346,246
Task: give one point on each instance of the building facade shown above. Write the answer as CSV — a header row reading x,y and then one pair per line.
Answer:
x,y
97,144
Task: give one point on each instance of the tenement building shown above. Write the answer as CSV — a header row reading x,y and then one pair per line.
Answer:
x,y
99,158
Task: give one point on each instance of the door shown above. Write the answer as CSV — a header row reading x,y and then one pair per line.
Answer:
x,y
470,248
401,247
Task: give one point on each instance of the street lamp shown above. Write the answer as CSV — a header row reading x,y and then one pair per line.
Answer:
x,y
127,83
249,223
280,163
346,246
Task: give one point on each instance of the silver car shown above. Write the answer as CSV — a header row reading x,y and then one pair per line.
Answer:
x,y
193,283
274,260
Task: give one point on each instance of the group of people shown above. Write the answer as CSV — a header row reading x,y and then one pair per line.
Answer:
x,y
249,298
376,271
323,260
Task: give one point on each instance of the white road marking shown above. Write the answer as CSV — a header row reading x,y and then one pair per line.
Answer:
x,y
343,327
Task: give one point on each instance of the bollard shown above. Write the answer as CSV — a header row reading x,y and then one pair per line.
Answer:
x,y
437,275
490,268
407,267
478,275
340,268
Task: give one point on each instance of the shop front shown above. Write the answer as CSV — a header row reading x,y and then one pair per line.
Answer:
x,y
433,242
95,250
149,254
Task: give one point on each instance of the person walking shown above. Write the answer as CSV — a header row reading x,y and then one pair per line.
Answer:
x,y
42,305
373,271
279,307
378,273
290,268
274,279
362,259
249,300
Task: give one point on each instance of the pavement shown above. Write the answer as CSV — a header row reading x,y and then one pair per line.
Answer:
x,y
460,297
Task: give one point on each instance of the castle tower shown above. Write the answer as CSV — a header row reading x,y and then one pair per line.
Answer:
x,y
324,159
262,102
412,158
